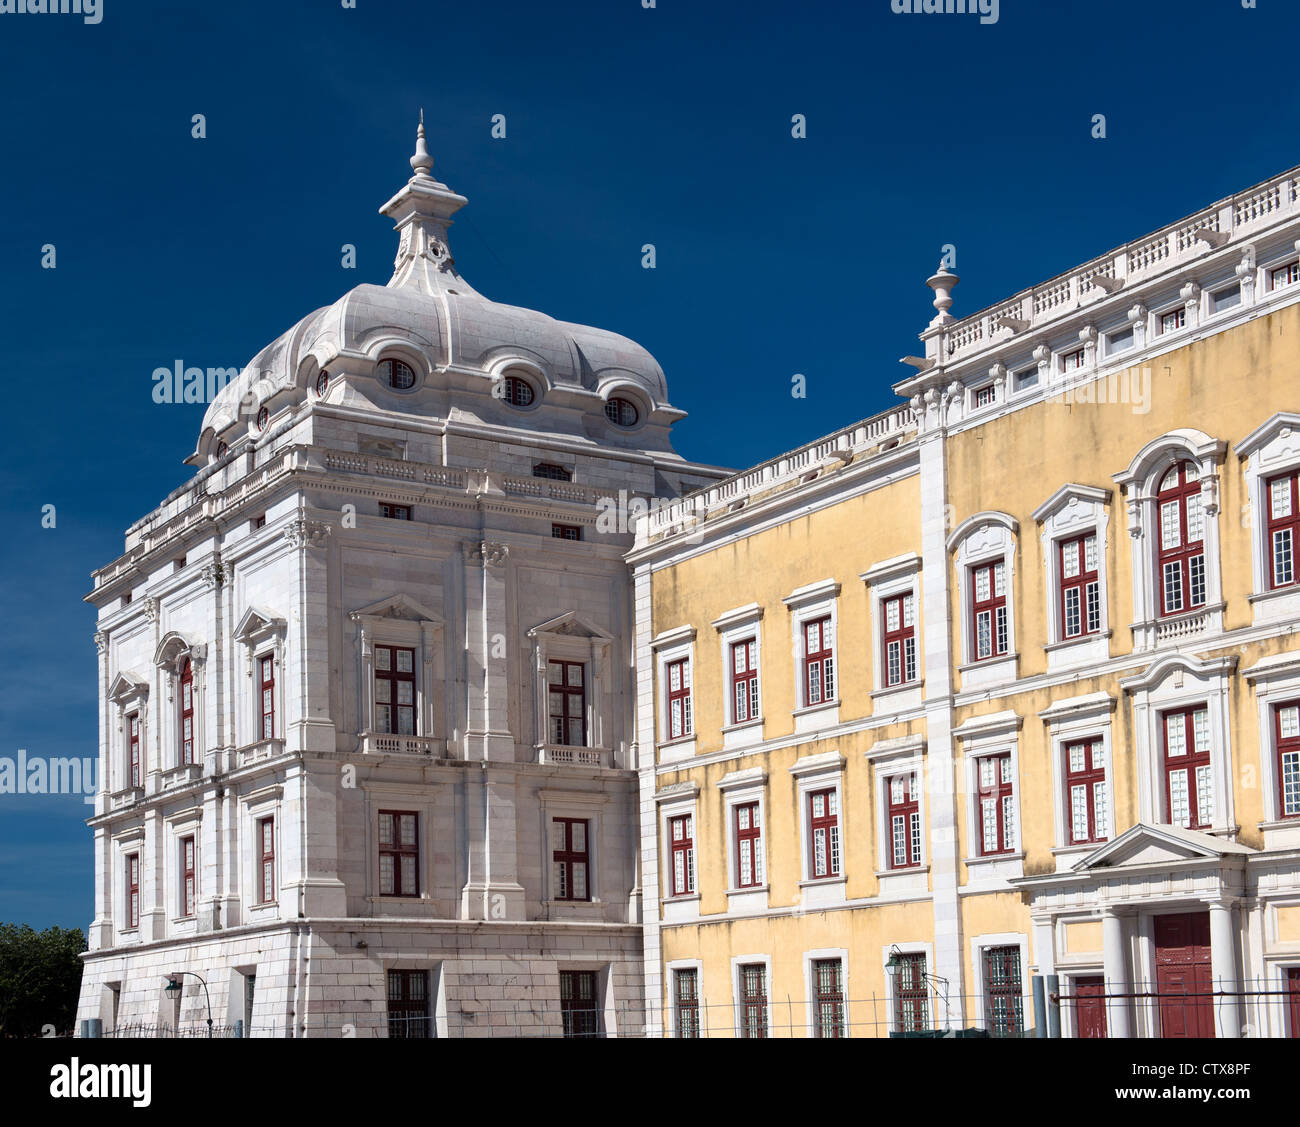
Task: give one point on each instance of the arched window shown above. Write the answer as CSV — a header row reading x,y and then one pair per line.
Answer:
x,y
222,450
397,374
621,412
263,417
322,383
1181,551
517,392
186,703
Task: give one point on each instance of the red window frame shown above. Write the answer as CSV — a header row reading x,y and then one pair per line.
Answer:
x,y
1191,761
986,396
1286,733
517,392
1073,361
1293,989
1084,585
686,998
399,853
389,511
1090,775
744,680
1283,531
187,876
1178,318
681,838
392,684
1181,556
753,1000
677,675
567,702
747,820
911,994
901,802
266,855
997,789
1282,276
824,833
133,890
133,749
1003,991
566,532
899,642
818,661
578,1003
408,1004
571,858
266,677
552,471
186,702
995,606
828,997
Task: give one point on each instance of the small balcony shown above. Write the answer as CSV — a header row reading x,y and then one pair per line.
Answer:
x,y
390,743
255,752
567,756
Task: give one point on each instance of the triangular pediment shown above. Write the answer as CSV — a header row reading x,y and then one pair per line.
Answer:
x,y
571,624
255,620
1144,846
401,607
127,684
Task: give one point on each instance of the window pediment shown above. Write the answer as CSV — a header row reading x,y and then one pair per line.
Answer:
x,y
984,532
1156,845
1169,447
1156,674
175,647
257,623
1071,500
1278,439
399,607
126,686
571,625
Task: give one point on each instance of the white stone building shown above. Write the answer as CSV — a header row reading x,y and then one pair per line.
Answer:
x,y
339,780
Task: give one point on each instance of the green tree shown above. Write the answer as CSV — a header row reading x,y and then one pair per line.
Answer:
x,y
40,975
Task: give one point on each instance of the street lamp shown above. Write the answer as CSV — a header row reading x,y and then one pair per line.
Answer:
x,y
894,966
174,986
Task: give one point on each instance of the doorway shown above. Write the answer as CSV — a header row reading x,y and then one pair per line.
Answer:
x,y
1183,979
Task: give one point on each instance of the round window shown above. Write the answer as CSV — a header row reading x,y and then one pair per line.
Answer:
x,y
263,417
517,392
222,450
397,374
621,412
322,382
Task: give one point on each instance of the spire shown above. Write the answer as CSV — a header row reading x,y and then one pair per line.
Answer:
x,y
422,212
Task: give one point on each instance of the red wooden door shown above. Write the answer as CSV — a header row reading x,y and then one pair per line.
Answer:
x,y
1182,969
1293,985
1090,1006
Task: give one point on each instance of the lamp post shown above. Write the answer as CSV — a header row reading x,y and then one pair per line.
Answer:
x,y
174,986
894,966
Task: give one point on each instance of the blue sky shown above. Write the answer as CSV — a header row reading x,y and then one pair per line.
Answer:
x,y
624,126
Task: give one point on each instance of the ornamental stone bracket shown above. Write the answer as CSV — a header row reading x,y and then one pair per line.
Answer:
x,y
214,574
152,608
486,553
101,642
303,533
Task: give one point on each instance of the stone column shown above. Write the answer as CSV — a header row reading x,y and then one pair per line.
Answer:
x,y
487,728
1119,1011
1223,969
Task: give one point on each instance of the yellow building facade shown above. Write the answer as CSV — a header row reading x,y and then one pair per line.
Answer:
x,y
1002,683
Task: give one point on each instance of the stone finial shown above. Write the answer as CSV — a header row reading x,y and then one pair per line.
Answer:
x,y
942,282
422,162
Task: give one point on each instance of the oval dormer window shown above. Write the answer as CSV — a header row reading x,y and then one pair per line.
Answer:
x,y
222,450
397,374
621,412
263,417
322,383
517,392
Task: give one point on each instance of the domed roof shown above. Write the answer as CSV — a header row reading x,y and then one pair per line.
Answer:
x,y
434,319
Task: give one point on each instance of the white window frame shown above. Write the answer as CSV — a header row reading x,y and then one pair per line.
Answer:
x,y
675,801
1070,721
739,788
983,539
888,580
589,806
670,980
180,826
737,995
400,621
1275,680
260,633
570,637
1270,451
899,756
128,694
810,986
997,733
1141,481
1074,511
669,647
127,842
1173,683
978,945
265,803
808,604
733,627
815,773
169,659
